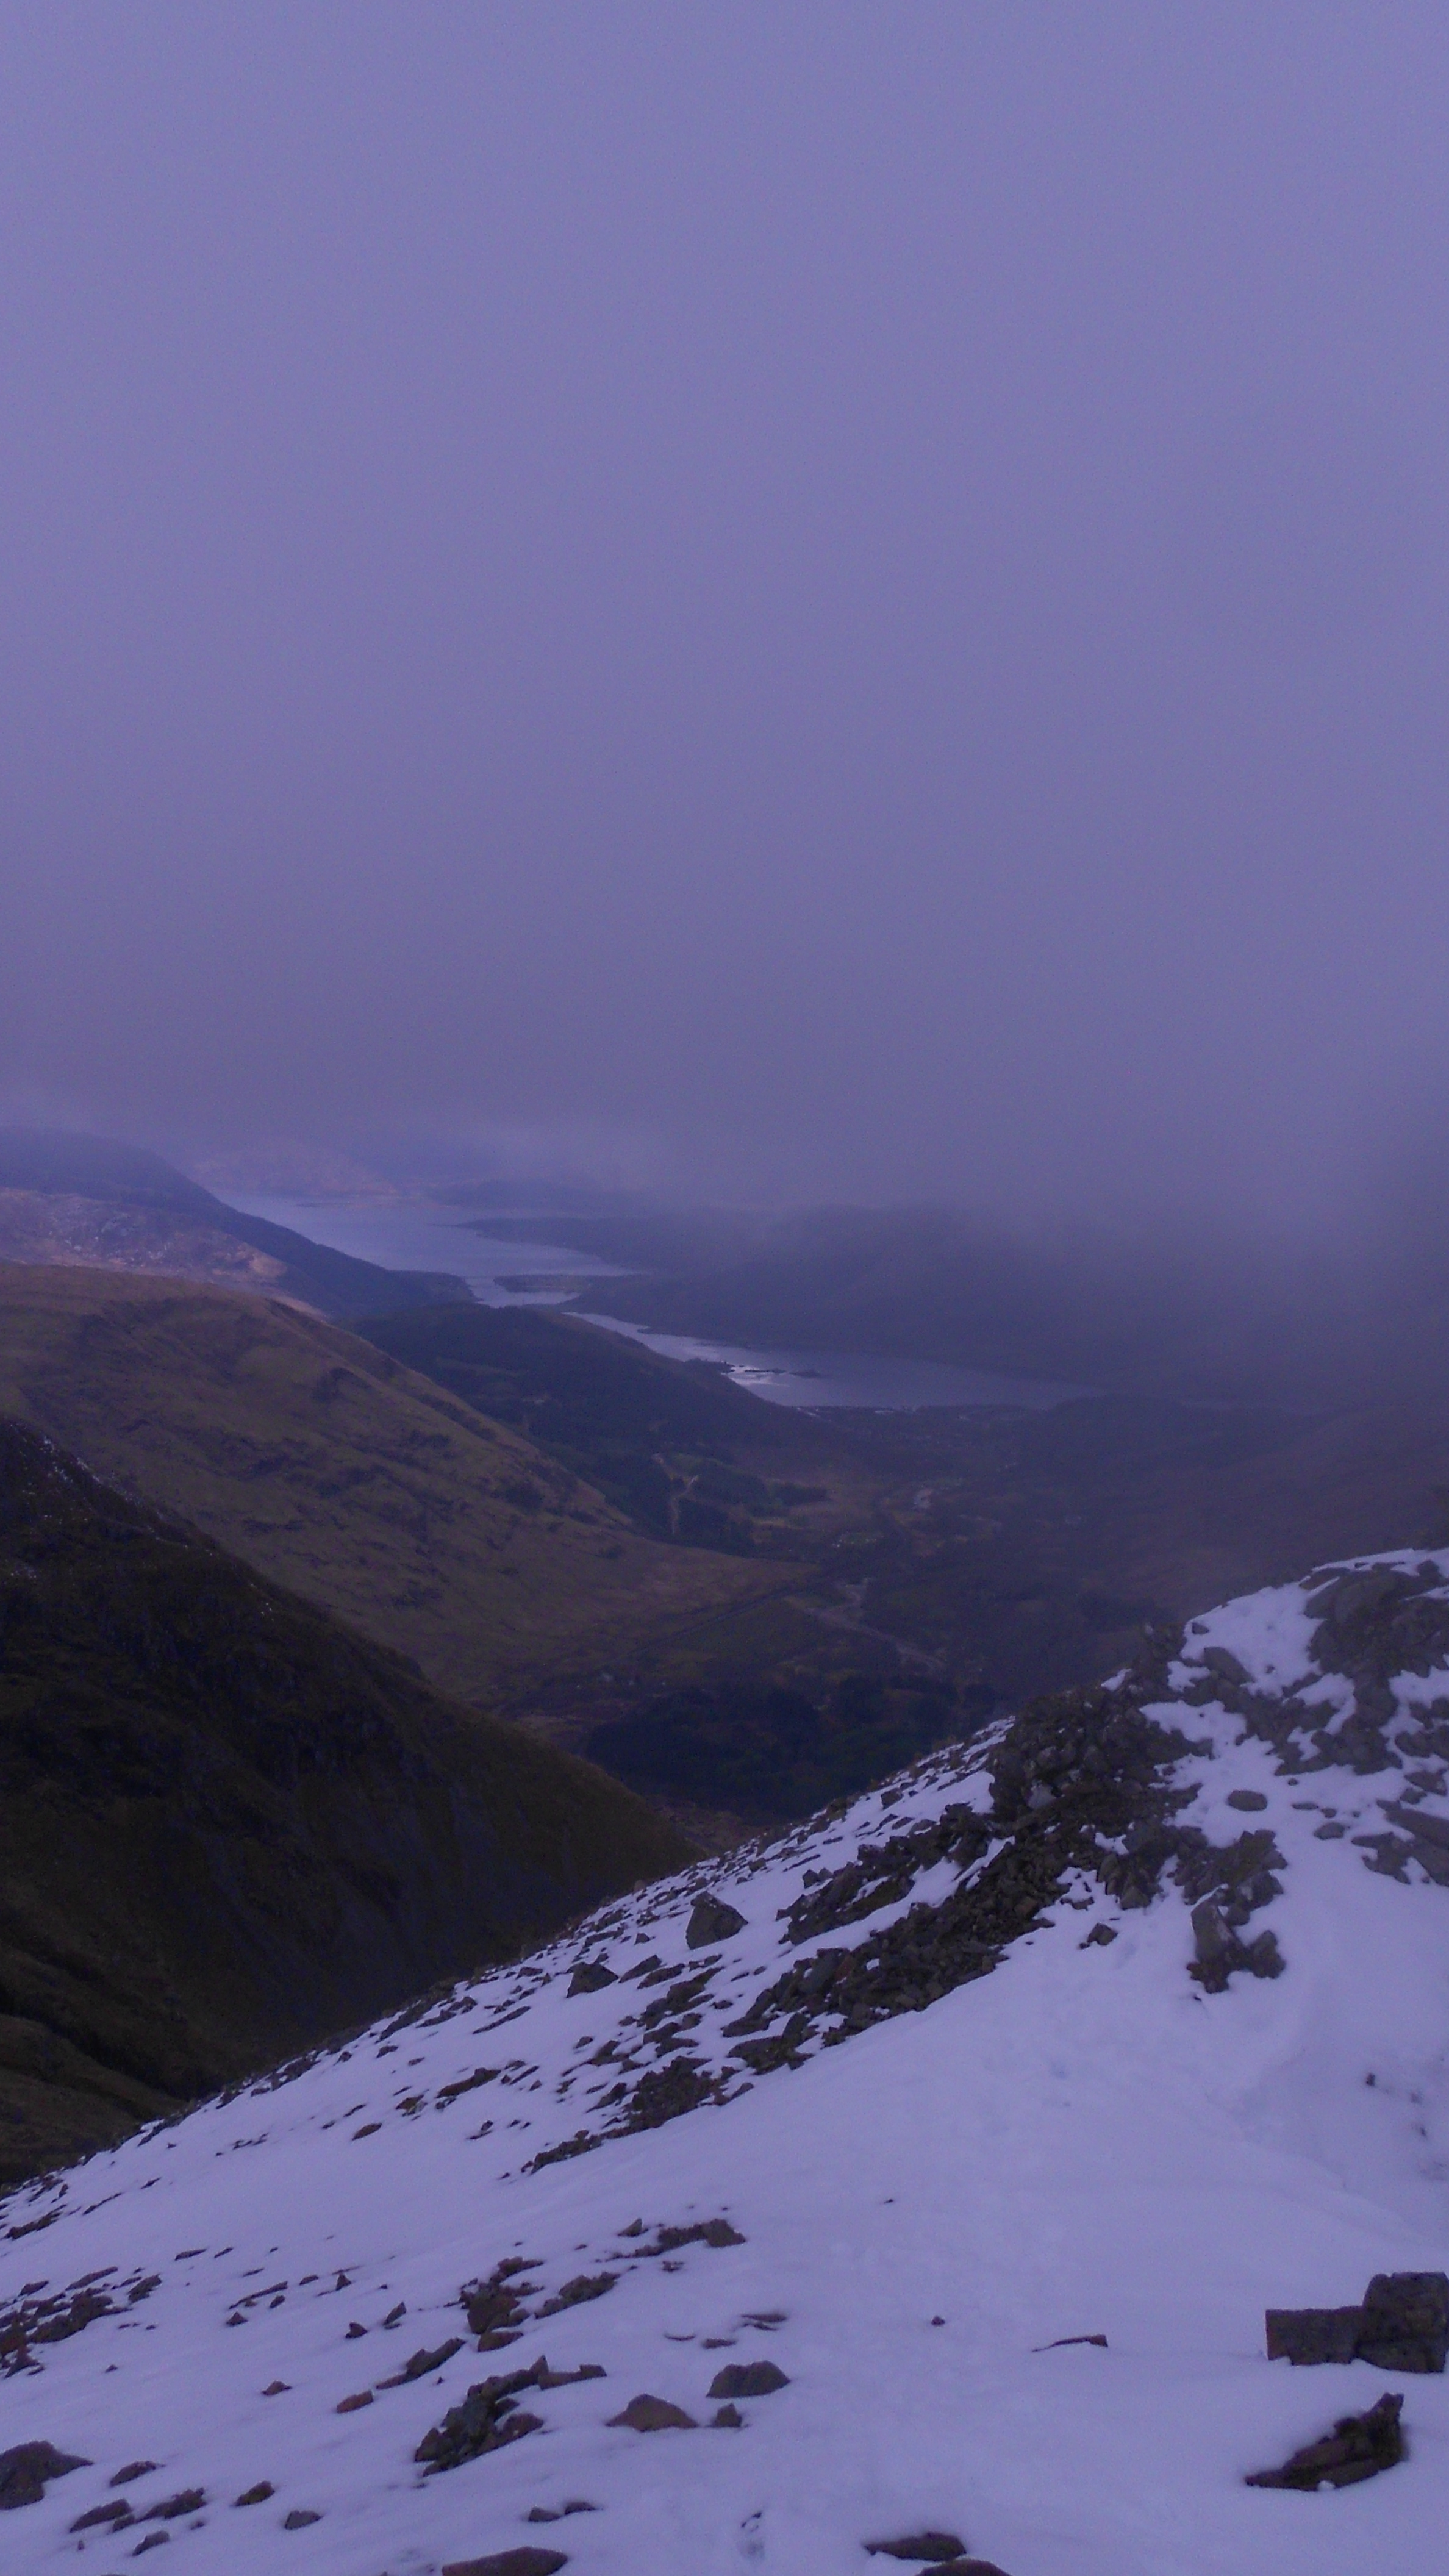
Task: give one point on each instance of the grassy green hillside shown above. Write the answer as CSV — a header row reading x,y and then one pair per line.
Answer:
x,y
335,1470
227,1826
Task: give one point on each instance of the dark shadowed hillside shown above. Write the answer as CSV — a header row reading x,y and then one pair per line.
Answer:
x,y
686,1453
228,1826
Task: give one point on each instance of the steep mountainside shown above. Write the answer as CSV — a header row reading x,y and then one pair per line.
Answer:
x,y
336,1471
944,2155
227,1826
81,1199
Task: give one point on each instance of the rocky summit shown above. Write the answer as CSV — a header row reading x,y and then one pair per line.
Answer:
x,y
944,2156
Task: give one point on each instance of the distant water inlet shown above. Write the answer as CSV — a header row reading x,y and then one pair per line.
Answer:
x,y
414,1235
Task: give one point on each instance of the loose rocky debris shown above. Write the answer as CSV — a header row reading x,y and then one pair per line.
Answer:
x,y
490,2415
1359,2447
32,2319
26,2470
716,2232
1082,1788
647,2414
494,2308
1403,2324
559,2512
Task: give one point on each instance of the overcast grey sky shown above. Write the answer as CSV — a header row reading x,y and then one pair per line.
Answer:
x,y
811,599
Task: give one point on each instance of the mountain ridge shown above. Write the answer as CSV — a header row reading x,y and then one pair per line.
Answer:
x,y
949,2148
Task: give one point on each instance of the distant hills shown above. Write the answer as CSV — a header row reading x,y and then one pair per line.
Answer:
x,y
1168,1311
85,1200
228,1826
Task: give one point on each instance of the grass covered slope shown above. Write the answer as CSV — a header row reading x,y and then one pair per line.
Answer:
x,y
227,1826
336,1471
954,2145
686,1454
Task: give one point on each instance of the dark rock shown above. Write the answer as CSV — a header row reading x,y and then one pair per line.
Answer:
x,y
1310,2335
647,2414
526,2561
1403,2324
711,1921
190,2500
153,2540
423,2363
727,2419
1062,2342
929,2548
1098,1937
1220,1953
706,2231
1221,1661
25,2470
559,2512
577,2293
257,2494
118,2513
494,2308
1406,2321
1247,1801
468,2430
132,2469
351,2405
590,1977
299,2518
748,2379
489,2415
1359,2447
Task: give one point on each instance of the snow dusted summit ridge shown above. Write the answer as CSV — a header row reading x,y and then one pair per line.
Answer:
x,y
1128,2020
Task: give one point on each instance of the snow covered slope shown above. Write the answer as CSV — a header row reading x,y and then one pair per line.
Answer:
x,y
1130,2020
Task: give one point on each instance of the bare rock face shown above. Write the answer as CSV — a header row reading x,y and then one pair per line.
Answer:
x,y
510,2562
710,1922
25,2470
1406,2321
1359,2447
748,2379
647,2414
924,2548
1308,2335
1403,2324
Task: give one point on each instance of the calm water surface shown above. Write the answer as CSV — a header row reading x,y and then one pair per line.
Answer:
x,y
417,1236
